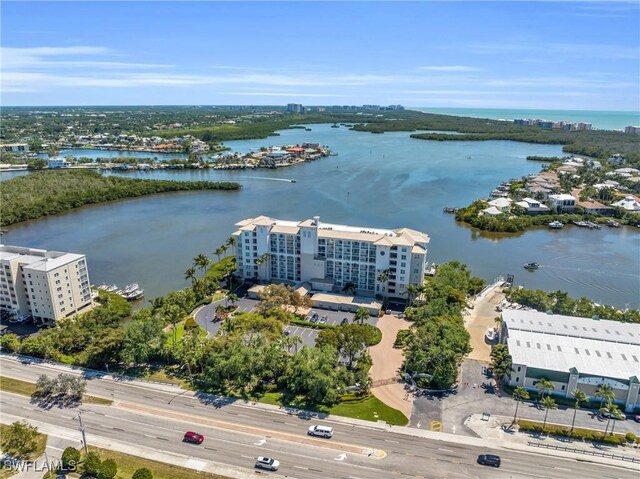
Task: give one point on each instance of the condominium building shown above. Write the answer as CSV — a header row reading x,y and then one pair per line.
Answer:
x,y
49,285
331,257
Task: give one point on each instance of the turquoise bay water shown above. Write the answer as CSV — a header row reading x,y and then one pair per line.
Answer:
x,y
603,120
387,181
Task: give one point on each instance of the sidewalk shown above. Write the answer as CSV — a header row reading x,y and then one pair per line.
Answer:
x,y
480,319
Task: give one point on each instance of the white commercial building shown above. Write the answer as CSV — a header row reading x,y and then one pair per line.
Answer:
x,y
574,353
49,285
331,257
57,162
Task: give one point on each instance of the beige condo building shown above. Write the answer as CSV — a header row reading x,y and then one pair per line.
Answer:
x,y
331,256
49,285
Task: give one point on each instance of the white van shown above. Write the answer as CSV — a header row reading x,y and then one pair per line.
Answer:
x,y
321,431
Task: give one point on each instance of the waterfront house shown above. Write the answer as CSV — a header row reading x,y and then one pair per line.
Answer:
x,y
57,162
562,203
617,160
628,203
503,204
607,184
625,172
14,148
533,207
595,208
491,212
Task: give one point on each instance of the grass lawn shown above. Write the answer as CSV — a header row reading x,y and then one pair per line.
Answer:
x,y
27,389
41,440
127,465
180,333
351,406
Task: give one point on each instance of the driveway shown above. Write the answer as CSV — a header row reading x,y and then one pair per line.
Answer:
x,y
480,319
387,363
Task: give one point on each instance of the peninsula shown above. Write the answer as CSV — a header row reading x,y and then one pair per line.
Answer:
x,y
45,193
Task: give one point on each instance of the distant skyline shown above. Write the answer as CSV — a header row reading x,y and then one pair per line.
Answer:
x,y
519,55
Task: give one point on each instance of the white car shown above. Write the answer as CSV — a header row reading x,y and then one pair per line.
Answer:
x,y
268,463
491,334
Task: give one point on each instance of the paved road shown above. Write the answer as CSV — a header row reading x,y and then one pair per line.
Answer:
x,y
156,417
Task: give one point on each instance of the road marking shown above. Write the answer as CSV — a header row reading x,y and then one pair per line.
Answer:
x,y
391,440
435,426
247,457
261,442
341,457
445,450
162,438
303,468
562,468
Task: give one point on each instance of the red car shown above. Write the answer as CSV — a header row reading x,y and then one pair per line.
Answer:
x,y
193,437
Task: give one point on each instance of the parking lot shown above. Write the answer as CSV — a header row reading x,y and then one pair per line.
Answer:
x,y
307,335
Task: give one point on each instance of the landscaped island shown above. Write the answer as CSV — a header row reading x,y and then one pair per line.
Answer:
x,y
52,192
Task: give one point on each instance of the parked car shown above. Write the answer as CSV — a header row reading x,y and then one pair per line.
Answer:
x,y
313,316
491,334
489,460
268,463
323,319
193,437
637,418
344,321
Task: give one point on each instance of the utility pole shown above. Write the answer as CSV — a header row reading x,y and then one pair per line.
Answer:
x,y
84,437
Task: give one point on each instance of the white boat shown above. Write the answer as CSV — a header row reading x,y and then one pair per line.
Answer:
x,y
556,225
131,287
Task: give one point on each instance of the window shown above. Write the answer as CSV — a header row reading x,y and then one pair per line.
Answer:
x,y
519,368
563,386
517,380
404,256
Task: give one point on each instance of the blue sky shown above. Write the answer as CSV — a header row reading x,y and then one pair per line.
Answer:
x,y
548,55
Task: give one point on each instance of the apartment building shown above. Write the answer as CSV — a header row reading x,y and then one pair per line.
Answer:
x,y
49,285
331,257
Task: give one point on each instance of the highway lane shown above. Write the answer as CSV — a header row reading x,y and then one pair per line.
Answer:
x,y
405,454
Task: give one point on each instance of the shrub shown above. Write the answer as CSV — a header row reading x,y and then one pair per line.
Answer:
x,y
402,338
70,458
108,469
143,473
91,464
373,335
630,437
190,323
10,343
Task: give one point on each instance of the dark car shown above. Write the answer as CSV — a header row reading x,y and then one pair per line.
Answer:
x,y
344,321
489,460
193,437
637,418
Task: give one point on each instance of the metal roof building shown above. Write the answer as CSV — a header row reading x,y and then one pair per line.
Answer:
x,y
574,353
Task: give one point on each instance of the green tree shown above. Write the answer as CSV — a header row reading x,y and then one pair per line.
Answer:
x,y
610,410
91,464
108,469
20,440
144,338
606,393
263,260
220,250
201,261
500,363
190,273
172,314
142,473
362,315
312,373
70,458
10,343
37,164
547,403
383,278
519,394
544,386
231,243
580,398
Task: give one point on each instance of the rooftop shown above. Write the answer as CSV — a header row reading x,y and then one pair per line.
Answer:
x,y
37,259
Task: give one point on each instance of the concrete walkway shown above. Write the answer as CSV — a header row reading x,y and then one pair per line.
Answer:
x,y
482,318
387,362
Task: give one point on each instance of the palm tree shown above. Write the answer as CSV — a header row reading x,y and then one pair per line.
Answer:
x,y
544,386
383,277
262,259
231,242
231,298
617,415
413,291
547,403
219,251
611,411
580,398
173,314
606,393
519,394
362,314
201,261
190,274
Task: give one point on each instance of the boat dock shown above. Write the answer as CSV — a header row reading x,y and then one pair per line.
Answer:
x,y
447,209
131,292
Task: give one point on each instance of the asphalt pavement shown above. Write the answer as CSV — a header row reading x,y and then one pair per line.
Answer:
x,y
154,417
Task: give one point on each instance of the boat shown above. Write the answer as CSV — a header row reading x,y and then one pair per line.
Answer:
x,y
130,287
531,266
133,294
292,181
335,126
613,224
556,225
307,129
592,225
581,224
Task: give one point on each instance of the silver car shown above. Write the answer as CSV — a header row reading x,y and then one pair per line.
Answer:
x,y
268,463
